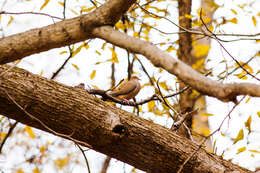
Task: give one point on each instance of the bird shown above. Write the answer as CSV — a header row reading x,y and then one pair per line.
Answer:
x,y
127,90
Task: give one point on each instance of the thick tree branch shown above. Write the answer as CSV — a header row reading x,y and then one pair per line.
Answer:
x,y
61,33
107,129
159,58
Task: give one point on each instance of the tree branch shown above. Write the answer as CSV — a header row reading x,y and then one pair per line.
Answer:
x,y
159,58
107,129
61,33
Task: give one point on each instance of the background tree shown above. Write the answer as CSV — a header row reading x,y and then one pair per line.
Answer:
x,y
152,21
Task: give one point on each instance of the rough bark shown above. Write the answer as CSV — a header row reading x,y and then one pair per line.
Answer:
x,y
107,129
61,33
186,102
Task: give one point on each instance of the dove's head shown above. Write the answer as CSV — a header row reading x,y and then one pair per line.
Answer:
x,y
134,77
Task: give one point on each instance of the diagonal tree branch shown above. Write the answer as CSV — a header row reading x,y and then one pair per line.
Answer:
x,y
61,33
159,58
107,129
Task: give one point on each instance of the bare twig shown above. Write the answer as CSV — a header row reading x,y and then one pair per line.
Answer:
x,y
145,71
30,12
84,155
217,39
205,139
8,135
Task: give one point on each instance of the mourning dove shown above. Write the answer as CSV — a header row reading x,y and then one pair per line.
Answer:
x,y
127,90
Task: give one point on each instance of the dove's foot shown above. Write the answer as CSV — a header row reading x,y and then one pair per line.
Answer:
x,y
127,102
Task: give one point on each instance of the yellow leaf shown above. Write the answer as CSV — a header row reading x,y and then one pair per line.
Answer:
x,y
146,32
194,94
10,21
36,170
248,123
146,38
75,66
201,50
136,34
248,99
88,9
44,4
151,106
158,112
77,50
2,135
133,170
164,85
240,150
234,20
114,56
73,11
170,48
241,76
61,3
161,44
258,14
254,20
234,11
41,73
254,151
19,171
63,52
198,64
204,131
42,149
120,25
60,163
95,86
188,16
86,46
239,137
29,131
258,113
97,52
206,114
214,145
103,45
93,74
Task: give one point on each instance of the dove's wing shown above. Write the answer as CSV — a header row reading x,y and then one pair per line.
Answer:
x,y
125,89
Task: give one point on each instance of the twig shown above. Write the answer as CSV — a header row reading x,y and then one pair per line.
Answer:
x,y
114,86
105,164
7,135
217,39
183,118
84,155
163,99
145,71
205,139
30,12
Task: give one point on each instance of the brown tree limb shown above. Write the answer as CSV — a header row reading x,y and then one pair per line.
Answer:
x,y
61,33
159,58
107,129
